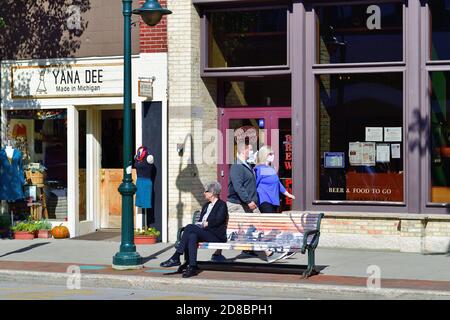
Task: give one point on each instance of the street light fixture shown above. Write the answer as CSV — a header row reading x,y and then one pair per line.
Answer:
x,y
127,258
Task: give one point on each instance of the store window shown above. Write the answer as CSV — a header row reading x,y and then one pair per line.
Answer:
x,y
247,38
360,137
440,29
440,136
360,33
41,138
261,93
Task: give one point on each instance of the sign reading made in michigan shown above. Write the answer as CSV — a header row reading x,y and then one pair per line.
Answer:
x,y
66,81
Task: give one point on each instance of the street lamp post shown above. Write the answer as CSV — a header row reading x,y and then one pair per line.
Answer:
x,y
127,258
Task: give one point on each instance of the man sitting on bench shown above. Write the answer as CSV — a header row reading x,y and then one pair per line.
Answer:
x,y
210,227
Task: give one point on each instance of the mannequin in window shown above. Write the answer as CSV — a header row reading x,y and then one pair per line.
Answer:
x,y
12,177
19,130
144,169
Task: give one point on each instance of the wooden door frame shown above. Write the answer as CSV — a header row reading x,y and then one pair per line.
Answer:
x,y
271,116
97,155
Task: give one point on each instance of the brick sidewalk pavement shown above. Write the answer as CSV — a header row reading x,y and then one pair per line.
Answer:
x,y
235,276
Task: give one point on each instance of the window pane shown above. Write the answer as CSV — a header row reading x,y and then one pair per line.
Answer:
x,y
258,93
440,24
440,137
247,38
360,33
41,137
360,137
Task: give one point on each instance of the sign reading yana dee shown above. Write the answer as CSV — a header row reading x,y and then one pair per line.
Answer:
x,y
65,81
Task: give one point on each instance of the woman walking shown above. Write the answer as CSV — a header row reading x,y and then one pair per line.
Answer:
x,y
269,187
268,184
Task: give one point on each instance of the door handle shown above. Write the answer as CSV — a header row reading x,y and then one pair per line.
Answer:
x,y
222,173
103,175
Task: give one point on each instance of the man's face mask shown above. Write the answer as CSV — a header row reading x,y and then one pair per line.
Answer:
x,y
251,156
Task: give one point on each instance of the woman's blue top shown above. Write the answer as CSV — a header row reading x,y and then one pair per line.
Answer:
x,y
268,185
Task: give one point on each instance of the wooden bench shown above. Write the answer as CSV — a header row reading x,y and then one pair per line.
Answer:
x,y
280,232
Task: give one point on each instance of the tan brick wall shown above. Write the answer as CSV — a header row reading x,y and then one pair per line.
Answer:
x,y
360,226
408,233
192,110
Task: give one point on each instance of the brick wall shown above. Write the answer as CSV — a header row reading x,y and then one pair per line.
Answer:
x,y
192,111
153,39
400,232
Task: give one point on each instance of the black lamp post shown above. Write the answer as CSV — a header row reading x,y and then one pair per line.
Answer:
x,y
127,258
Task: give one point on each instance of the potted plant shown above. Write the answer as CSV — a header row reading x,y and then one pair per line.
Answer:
x,y
43,229
146,236
24,230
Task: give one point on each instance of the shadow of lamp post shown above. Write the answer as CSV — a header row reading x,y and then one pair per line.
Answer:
x,y
127,258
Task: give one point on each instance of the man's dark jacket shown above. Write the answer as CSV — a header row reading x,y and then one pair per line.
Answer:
x,y
242,184
217,219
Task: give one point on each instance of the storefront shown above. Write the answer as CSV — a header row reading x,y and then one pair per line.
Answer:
x,y
363,86
65,118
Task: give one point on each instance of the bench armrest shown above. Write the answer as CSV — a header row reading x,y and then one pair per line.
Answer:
x,y
180,231
305,238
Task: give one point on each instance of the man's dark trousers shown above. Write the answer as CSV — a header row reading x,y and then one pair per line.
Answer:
x,y
192,235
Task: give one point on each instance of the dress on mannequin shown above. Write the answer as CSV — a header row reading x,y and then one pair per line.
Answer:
x,y
144,183
12,177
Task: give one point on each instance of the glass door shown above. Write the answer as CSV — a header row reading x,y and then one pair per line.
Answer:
x,y
112,167
257,127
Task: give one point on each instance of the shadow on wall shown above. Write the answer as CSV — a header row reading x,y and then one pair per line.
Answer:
x,y
420,128
42,30
188,181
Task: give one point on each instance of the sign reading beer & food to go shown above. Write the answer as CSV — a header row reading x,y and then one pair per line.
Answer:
x,y
67,80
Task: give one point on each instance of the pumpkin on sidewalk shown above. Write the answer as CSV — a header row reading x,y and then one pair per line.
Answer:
x,y
60,232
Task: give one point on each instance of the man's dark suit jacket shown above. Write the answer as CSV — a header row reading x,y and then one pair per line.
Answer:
x,y
217,219
242,184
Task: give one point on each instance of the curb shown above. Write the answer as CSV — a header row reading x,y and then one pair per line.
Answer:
x,y
157,283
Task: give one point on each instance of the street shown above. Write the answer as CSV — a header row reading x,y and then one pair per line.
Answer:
x,y
10,290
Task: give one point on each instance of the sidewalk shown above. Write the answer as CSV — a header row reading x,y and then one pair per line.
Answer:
x,y
339,269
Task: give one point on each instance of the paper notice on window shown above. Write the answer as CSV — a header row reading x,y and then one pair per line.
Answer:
x,y
395,150
368,154
374,134
355,153
392,134
383,153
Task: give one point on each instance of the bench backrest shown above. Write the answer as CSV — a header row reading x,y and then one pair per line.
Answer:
x,y
278,227
286,227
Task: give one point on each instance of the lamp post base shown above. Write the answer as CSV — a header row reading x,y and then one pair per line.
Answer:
x,y
127,261
134,267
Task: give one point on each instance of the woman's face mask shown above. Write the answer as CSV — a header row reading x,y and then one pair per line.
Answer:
x,y
270,158
251,157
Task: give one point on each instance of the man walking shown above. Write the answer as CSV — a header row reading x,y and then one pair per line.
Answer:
x,y
242,195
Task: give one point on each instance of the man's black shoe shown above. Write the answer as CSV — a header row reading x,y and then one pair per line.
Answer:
x,y
170,263
190,272
182,268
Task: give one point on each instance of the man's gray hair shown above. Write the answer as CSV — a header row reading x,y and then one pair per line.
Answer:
x,y
214,187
